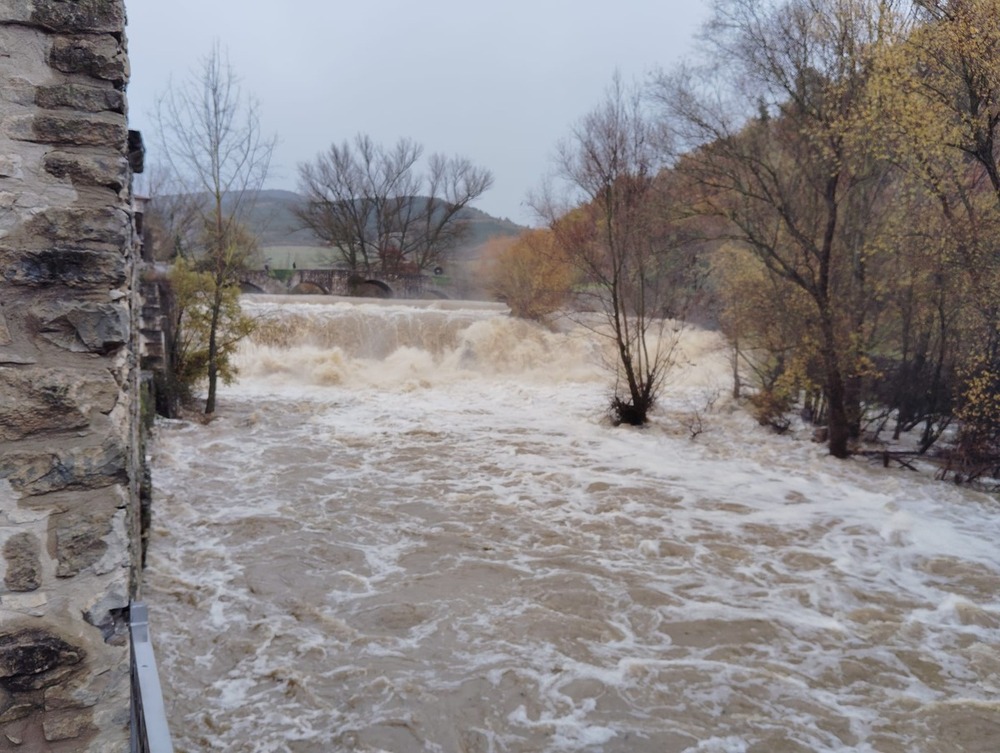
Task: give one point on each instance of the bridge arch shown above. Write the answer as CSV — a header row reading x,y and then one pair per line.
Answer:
x,y
332,282
308,287
372,288
260,281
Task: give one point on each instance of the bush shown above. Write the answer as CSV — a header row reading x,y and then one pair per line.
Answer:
x,y
771,408
529,273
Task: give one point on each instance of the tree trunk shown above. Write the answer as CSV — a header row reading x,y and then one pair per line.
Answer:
x,y
735,358
838,421
213,350
852,405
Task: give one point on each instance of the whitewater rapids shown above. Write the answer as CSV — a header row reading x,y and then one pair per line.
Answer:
x,y
411,528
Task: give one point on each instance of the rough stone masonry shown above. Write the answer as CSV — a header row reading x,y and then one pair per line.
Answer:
x,y
69,447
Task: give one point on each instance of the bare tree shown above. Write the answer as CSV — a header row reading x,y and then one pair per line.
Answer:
x,y
380,211
619,239
212,140
171,222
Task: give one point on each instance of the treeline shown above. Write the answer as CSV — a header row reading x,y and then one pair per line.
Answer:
x,y
833,167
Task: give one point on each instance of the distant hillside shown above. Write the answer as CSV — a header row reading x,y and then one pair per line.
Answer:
x,y
275,224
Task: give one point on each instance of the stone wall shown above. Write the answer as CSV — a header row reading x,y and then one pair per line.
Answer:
x,y
69,447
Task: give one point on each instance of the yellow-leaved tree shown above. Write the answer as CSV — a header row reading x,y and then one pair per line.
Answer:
x,y
208,325
939,114
530,273
779,152
767,323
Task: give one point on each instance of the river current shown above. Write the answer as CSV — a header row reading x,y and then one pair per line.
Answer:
x,y
412,528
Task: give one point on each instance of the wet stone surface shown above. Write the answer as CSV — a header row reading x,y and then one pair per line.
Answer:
x,y
23,555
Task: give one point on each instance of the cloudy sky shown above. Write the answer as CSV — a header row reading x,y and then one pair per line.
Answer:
x,y
499,83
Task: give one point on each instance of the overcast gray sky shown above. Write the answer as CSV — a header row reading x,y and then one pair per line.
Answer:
x,y
499,83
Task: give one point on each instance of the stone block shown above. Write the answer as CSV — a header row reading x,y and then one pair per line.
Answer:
x,y
80,693
16,89
17,11
22,552
67,725
34,399
10,166
116,558
5,338
33,473
15,357
81,98
98,56
19,709
36,684
74,267
87,169
70,129
107,611
23,509
85,327
29,603
73,227
80,539
31,659
23,471
79,15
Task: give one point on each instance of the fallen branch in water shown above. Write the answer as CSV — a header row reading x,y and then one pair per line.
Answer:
x,y
887,456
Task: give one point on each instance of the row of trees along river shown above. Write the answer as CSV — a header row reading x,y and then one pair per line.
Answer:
x,y
825,177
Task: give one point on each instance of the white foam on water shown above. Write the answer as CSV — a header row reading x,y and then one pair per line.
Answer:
x,y
436,542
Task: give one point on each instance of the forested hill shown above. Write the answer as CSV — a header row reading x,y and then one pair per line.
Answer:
x,y
274,222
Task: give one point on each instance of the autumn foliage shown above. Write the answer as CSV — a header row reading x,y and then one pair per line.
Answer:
x,y
847,153
530,273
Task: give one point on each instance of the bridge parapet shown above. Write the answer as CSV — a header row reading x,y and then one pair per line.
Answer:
x,y
332,282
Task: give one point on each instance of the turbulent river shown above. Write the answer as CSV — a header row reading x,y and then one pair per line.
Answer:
x,y
411,528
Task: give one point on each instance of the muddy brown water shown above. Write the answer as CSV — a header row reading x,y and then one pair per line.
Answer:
x,y
440,545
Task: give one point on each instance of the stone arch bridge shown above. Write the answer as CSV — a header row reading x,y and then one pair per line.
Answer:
x,y
333,282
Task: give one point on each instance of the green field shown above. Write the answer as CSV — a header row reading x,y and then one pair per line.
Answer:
x,y
303,257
